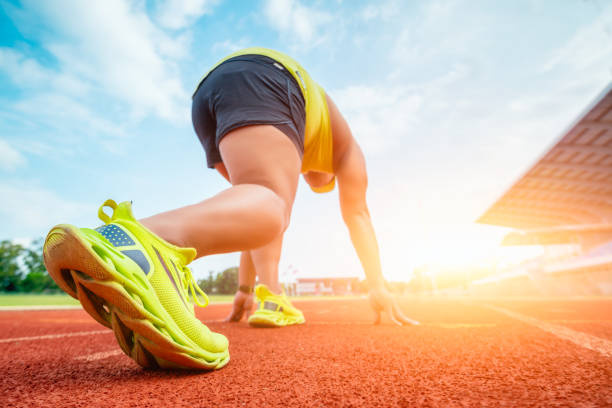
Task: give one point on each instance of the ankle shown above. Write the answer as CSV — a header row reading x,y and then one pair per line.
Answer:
x,y
274,288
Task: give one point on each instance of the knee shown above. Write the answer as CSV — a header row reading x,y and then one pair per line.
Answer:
x,y
274,215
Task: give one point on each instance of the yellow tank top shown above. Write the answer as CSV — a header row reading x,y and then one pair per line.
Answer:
x,y
318,143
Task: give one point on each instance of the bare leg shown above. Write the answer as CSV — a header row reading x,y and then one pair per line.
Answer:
x,y
246,271
263,166
266,261
240,217
262,262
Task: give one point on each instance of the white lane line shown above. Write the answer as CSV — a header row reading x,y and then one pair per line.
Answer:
x,y
308,323
54,336
99,356
38,307
436,325
585,340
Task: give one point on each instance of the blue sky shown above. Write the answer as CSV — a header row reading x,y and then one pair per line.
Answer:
x,y
450,100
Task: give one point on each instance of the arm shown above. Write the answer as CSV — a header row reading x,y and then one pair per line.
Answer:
x,y
350,170
352,180
243,301
352,186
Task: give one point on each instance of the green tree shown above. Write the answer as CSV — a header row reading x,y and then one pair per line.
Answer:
x,y
37,279
33,257
37,282
10,271
208,284
226,282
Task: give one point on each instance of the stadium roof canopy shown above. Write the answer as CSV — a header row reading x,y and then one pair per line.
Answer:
x,y
571,185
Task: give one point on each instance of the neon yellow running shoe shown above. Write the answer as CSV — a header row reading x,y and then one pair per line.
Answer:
x,y
274,310
134,282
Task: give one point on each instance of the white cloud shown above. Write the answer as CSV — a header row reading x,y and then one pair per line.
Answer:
x,y
10,158
440,33
51,101
378,115
380,10
115,49
230,46
29,73
383,115
293,19
20,69
68,118
33,210
24,242
589,48
370,12
177,14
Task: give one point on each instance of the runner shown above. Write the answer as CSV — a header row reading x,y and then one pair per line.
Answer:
x,y
262,122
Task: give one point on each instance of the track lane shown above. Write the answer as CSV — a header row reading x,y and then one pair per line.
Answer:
x,y
463,354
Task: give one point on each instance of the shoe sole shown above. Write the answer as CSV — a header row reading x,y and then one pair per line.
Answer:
x,y
123,301
273,319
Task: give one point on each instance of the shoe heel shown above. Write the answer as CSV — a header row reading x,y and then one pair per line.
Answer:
x,y
65,251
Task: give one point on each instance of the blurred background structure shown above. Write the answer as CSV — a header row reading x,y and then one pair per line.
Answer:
x,y
564,203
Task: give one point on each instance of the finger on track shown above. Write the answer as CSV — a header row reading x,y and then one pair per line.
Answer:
x,y
390,310
399,315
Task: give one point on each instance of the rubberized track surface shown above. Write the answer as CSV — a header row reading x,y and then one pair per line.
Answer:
x,y
466,353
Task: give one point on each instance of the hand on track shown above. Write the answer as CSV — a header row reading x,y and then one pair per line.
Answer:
x,y
382,300
243,303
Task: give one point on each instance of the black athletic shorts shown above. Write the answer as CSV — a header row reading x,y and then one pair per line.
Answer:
x,y
247,90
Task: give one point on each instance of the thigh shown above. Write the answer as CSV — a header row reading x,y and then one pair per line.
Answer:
x,y
263,155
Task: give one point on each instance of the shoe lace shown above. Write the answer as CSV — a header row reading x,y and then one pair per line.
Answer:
x,y
188,281
191,286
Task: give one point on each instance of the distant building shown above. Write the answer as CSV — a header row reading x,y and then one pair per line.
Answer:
x,y
326,286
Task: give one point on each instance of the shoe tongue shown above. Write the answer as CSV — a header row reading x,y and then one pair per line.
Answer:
x,y
263,292
123,211
188,254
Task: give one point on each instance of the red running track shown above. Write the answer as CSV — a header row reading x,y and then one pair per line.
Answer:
x,y
540,352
